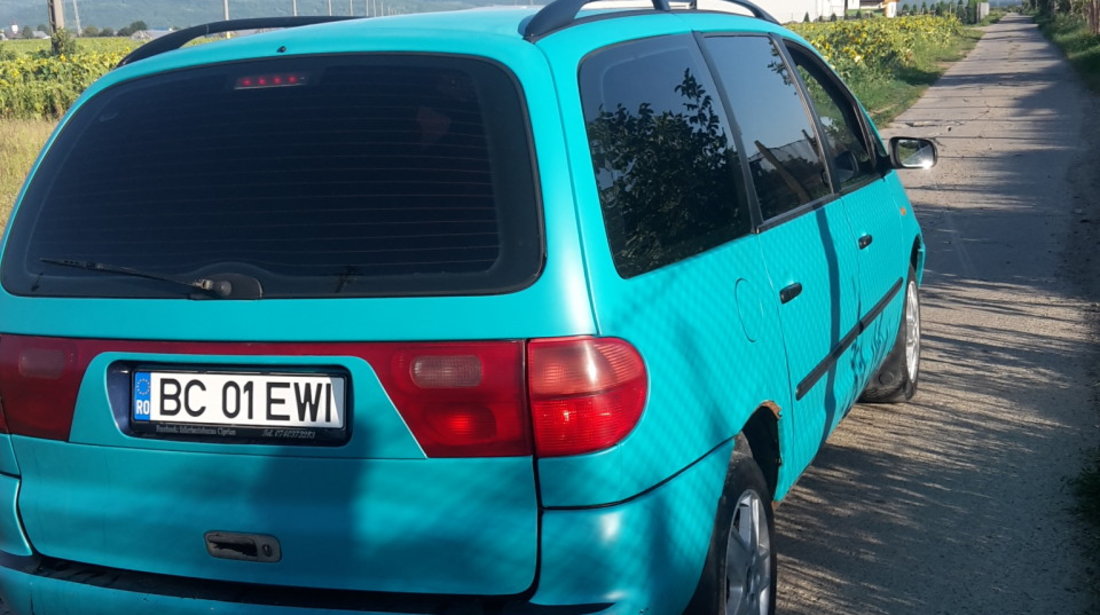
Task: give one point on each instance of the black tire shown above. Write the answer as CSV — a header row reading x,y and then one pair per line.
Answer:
x,y
745,492
896,380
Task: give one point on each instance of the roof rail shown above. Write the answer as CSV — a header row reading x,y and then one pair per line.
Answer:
x,y
179,38
560,13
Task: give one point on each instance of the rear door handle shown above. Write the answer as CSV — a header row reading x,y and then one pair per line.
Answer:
x,y
790,292
865,241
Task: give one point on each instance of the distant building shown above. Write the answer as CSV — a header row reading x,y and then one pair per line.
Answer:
x,y
787,11
889,8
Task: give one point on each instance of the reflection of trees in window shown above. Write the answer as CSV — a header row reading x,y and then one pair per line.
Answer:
x,y
666,179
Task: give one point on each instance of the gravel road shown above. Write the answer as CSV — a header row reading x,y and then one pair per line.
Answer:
x,y
957,502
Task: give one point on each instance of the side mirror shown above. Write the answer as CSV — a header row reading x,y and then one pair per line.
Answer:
x,y
912,153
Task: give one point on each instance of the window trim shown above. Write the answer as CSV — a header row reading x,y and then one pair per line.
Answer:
x,y
797,212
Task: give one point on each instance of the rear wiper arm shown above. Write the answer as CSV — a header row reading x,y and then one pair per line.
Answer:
x,y
215,288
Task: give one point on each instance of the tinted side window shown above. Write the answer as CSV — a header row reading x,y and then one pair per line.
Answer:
x,y
317,176
787,170
843,135
665,164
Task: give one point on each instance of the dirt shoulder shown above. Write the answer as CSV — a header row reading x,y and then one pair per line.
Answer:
x,y
958,502
1083,267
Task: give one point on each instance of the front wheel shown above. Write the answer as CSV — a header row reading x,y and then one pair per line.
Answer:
x,y
739,577
896,380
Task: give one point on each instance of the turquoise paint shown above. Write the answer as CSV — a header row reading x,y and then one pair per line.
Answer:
x,y
12,539
815,321
706,376
910,227
881,266
8,463
645,555
462,526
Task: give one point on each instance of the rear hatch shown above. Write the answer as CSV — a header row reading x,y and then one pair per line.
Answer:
x,y
239,294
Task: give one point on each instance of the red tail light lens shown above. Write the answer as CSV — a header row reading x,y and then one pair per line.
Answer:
x,y
39,378
461,399
586,394
446,372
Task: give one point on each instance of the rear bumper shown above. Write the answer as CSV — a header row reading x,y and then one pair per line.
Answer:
x,y
26,588
641,555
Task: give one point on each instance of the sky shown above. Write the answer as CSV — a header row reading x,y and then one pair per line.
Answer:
x,y
180,13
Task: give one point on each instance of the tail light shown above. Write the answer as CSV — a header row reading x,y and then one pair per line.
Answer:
x,y
478,399
460,399
586,394
39,378
550,397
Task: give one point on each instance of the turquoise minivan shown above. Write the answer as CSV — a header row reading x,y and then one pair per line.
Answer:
x,y
507,311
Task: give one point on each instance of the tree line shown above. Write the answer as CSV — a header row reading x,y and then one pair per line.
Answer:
x,y
1087,9
88,31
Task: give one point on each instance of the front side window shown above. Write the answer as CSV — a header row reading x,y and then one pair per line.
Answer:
x,y
666,168
843,135
312,177
779,138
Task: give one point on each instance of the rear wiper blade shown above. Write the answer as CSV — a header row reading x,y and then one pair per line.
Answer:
x,y
215,288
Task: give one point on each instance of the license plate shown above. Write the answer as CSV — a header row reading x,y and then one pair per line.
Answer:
x,y
238,405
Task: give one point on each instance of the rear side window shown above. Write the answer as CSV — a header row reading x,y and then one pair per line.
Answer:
x,y
784,159
666,168
316,177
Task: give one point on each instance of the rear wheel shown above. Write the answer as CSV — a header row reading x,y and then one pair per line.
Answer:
x,y
896,379
740,573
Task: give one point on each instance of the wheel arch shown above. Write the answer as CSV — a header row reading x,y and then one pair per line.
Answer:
x,y
762,433
916,258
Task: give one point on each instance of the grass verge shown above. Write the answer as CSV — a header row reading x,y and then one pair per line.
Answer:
x,y
18,148
1082,48
887,97
993,17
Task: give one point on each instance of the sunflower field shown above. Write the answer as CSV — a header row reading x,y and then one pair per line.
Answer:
x,y
888,63
36,85
869,48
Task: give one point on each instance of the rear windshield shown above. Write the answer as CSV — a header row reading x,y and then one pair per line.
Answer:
x,y
314,177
